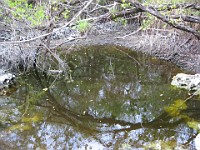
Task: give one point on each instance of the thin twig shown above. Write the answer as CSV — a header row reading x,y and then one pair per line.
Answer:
x,y
122,37
128,56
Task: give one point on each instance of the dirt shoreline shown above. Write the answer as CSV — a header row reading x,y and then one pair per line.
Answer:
x,y
179,48
183,57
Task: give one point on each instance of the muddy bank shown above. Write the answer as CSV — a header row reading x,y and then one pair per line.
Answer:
x,y
175,47
185,53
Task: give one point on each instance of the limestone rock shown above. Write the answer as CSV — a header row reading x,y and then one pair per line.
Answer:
x,y
6,78
197,142
187,81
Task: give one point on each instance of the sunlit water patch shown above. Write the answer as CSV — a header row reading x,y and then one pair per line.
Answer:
x,y
112,98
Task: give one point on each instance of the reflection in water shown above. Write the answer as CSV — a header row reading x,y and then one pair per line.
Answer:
x,y
116,99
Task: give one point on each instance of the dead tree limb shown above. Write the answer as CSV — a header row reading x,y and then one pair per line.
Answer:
x,y
169,7
165,19
124,13
187,18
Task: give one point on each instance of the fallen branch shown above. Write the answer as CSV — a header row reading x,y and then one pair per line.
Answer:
x,y
165,19
169,7
186,18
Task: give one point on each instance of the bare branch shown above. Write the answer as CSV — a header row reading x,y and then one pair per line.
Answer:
x,y
125,12
165,19
193,19
169,7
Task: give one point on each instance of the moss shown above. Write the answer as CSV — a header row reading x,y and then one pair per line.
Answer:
x,y
20,127
35,118
175,108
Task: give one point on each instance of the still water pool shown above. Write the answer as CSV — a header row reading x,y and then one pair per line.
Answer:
x,y
112,98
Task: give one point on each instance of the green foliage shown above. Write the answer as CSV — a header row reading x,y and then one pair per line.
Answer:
x,y
38,16
113,10
22,11
66,14
162,7
122,21
101,2
125,5
83,26
148,22
55,7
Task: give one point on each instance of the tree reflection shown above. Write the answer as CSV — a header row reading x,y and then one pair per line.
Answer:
x,y
112,100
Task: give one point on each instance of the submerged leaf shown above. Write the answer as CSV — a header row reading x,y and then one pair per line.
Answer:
x,y
194,125
175,108
20,127
35,118
160,145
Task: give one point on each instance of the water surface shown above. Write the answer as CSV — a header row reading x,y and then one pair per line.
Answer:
x,y
112,98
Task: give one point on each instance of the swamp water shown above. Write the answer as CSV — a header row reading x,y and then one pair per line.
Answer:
x,y
115,99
